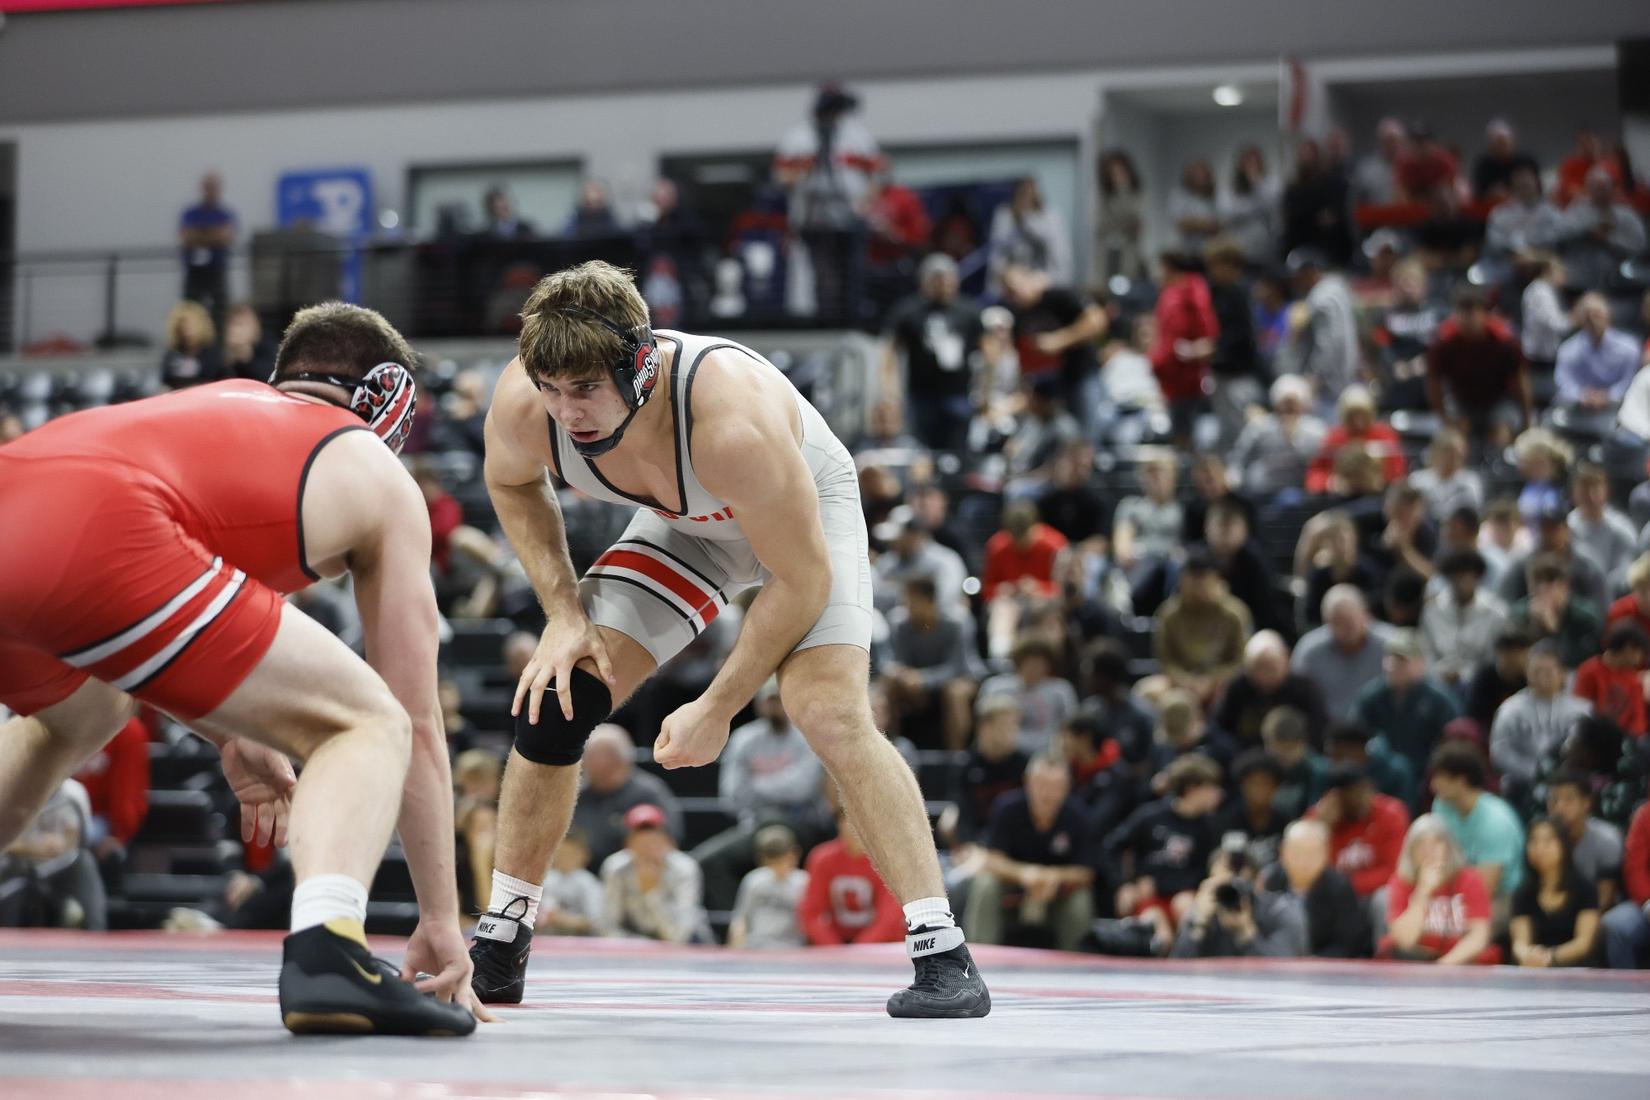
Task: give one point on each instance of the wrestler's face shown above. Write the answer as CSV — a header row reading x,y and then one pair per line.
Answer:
x,y
587,409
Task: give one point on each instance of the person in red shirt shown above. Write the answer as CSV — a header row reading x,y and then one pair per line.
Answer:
x,y
1588,154
846,900
1021,562
1424,166
1356,409
1186,332
149,546
898,222
1366,828
1635,606
1612,681
1476,374
1438,909
116,778
1627,924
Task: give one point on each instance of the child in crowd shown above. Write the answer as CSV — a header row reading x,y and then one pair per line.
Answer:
x,y
765,911
572,903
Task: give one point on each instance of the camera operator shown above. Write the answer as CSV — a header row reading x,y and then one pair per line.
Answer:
x,y
1230,916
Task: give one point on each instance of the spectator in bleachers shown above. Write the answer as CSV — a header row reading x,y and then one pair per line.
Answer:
x,y
1044,429
994,765
1550,611
246,352
1488,831
1634,607
932,672
612,787
1317,213
1345,653
1375,179
1097,764
477,775
1597,363
1201,631
1322,340
915,553
1158,854
1055,330
1250,210
1212,484
1265,684
1595,844
1021,563
1366,825
1025,230
1107,699
935,333
1037,872
1599,231
1186,333
1358,427
48,876
1612,682
1425,166
1328,554
463,420
1181,730
1192,207
1402,329
500,221
1236,373
116,781
1503,539
1543,321
1146,529
1549,514
1525,221
995,370
1406,708
1476,375
1460,534
1253,817
765,912
593,215
1446,483
1121,217
1337,920
1070,504
191,355
1230,917
572,901
1407,540
1273,450
768,775
845,900
206,233
1599,530
1589,153
1304,771
1498,166
1627,924
1555,913
1047,701
898,227
1240,562
651,889
1499,680
1438,909
1460,623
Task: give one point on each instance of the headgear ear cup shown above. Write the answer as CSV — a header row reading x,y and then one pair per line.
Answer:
x,y
387,399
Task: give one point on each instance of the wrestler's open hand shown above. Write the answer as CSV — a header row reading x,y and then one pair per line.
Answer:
x,y
691,736
564,644
437,949
262,780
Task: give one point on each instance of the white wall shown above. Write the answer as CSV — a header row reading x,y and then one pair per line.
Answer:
x,y
121,184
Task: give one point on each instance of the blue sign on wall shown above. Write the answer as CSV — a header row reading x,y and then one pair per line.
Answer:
x,y
336,201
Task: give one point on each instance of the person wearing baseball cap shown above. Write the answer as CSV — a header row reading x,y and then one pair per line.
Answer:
x,y
1405,706
653,890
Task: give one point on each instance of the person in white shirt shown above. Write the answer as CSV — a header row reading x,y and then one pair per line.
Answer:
x,y
651,889
1544,321
572,902
1600,531
1459,625
764,914
1445,483
1526,220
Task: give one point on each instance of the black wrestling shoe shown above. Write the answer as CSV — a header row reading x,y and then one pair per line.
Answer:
x,y
948,984
499,953
332,985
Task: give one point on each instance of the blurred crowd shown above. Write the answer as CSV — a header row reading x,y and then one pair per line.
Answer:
x,y
1281,591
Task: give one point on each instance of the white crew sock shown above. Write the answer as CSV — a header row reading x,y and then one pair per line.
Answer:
x,y
507,889
933,912
322,898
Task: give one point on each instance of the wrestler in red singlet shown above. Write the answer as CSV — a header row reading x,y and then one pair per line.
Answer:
x,y
149,544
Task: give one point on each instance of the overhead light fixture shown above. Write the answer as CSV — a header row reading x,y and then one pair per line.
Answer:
x,y
1228,95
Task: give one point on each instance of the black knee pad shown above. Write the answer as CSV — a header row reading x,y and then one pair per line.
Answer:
x,y
556,740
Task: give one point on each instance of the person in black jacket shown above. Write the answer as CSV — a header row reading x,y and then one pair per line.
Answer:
x,y
1239,378
1160,852
1337,922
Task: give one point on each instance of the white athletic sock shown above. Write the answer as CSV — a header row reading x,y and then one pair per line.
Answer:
x,y
322,898
933,912
507,889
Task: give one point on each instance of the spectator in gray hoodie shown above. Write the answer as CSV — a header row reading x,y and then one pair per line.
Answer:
x,y
1534,720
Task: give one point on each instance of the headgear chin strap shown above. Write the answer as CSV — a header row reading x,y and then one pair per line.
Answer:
x,y
635,372
386,398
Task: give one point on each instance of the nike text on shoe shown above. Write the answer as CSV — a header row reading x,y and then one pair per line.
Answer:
x,y
332,985
948,985
499,953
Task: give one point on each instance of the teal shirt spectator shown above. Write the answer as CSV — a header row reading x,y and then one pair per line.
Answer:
x,y
1492,833
1410,724
1303,783
1578,631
